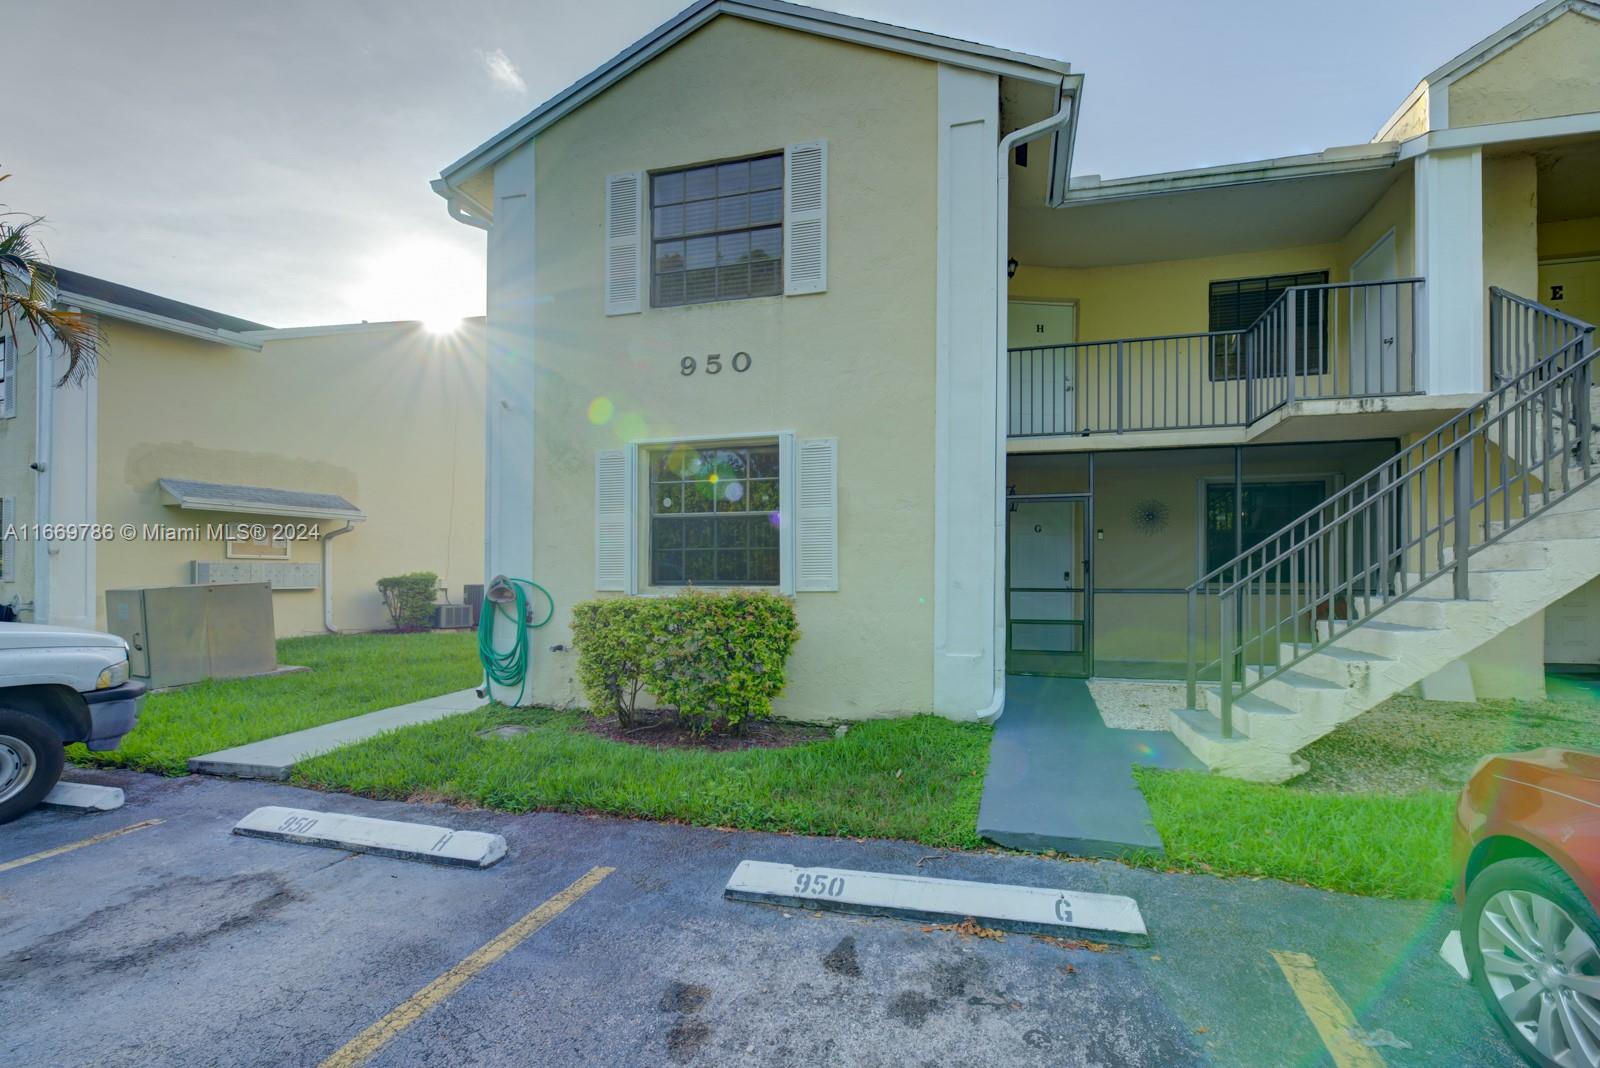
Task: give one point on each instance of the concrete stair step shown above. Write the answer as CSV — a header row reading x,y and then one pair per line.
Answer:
x,y
1391,640
1336,664
1237,755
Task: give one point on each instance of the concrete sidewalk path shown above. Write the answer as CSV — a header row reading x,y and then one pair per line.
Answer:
x,y
274,758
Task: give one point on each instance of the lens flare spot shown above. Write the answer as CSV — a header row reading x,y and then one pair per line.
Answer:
x,y
733,491
601,410
776,519
630,426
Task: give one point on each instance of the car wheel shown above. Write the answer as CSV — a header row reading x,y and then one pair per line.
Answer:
x,y
1533,947
30,762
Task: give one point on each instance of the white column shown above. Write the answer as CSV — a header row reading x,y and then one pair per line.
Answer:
x,y
1449,199
966,663
65,592
508,470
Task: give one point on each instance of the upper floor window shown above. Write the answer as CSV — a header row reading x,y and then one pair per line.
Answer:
x,y
1237,303
716,232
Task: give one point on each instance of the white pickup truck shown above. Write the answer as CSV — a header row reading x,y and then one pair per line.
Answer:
x,y
57,686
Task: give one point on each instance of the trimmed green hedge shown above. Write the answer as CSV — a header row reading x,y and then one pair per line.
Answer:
x,y
715,659
409,599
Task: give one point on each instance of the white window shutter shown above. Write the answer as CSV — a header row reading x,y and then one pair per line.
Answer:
x,y
8,544
8,372
805,218
613,520
817,516
624,243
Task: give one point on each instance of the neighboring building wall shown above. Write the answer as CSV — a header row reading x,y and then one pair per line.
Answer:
x,y
1551,72
389,417
17,479
855,363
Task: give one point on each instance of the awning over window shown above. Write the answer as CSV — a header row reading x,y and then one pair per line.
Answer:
x,y
257,500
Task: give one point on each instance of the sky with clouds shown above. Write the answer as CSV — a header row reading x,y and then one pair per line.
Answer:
x,y
271,160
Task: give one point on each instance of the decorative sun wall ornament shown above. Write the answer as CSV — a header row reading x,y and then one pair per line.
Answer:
x,y
1149,517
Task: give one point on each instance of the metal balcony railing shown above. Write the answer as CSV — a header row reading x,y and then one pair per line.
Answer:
x,y
1415,518
1337,340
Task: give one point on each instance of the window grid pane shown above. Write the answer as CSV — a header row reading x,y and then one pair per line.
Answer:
x,y
717,232
1239,302
714,516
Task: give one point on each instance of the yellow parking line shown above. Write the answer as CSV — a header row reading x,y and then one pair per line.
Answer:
x,y
1328,1012
58,850
366,1045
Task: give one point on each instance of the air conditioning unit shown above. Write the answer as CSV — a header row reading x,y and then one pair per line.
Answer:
x,y
472,595
452,616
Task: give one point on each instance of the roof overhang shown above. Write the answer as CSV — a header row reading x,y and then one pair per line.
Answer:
x,y
158,322
256,500
1208,212
880,35
1092,189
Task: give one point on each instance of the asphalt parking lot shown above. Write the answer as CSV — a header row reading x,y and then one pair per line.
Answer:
x,y
607,942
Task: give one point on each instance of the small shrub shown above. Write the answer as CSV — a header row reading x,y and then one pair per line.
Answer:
x,y
409,598
615,638
715,659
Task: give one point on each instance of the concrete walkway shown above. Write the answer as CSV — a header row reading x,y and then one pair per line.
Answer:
x,y
274,758
1060,779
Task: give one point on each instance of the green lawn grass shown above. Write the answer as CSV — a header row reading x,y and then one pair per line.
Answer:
x,y
350,674
1372,815
916,778
1374,844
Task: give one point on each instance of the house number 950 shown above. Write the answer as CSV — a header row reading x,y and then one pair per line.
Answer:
x,y
689,365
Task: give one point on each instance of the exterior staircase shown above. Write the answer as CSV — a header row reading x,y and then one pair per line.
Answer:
x,y
1471,530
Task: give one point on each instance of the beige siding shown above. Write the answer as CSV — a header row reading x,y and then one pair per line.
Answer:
x,y
855,363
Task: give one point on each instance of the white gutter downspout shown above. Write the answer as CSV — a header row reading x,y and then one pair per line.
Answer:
x,y
327,577
452,203
1002,253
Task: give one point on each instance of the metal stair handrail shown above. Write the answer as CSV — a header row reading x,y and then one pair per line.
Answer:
x,y
1385,536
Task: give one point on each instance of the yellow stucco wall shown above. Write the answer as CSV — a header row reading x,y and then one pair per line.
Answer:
x,y
1550,72
1569,238
1411,122
1511,223
855,363
390,418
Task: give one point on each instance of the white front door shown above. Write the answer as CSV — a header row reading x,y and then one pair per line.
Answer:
x,y
1042,369
1375,324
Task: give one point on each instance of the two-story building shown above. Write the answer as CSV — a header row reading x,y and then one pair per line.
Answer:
x,y
785,298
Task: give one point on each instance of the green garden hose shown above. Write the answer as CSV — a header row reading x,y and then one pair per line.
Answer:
x,y
509,668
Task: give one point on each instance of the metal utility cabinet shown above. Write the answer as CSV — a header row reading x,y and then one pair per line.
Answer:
x,y
182,634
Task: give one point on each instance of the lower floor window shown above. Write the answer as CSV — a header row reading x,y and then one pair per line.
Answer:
x,y
714,515
1268,508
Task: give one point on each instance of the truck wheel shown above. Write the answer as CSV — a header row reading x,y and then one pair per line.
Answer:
x,y
31,757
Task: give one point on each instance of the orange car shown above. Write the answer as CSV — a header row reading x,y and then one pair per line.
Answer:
x,y
1527,853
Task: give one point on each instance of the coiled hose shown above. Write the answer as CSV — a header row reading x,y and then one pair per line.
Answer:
x,y
509,668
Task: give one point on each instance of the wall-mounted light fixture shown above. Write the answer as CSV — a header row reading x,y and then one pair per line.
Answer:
x,y
1011,268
